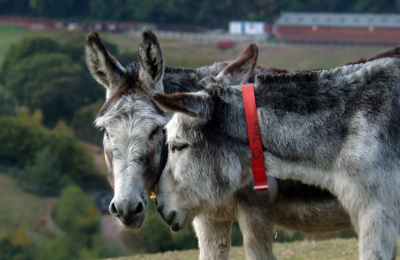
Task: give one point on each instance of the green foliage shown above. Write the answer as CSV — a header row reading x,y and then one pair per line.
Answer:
x,y
31,146
8,104
51,8
20,7
127,58
20,141
236,235
44,74
16,245
44,174
82,123
51,83
155,236
28,46
282,236
66,248
207,12
60,248
77,215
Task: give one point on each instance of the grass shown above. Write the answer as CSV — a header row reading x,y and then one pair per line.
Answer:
x,y
18,208
296,57
12,34
334,249
8,36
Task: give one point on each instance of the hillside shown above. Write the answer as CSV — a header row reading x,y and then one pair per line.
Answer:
x,y
334,249
22,209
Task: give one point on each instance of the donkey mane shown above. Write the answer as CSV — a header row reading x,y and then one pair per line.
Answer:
x,y
313,76
177,70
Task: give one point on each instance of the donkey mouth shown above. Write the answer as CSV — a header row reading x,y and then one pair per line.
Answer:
x,y
134,223
176,222
175,227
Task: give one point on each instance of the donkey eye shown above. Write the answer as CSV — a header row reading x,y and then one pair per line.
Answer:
x,y
154,132
179,147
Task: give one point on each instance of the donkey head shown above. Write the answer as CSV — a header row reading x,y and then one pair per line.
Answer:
x,y
203,166
132,123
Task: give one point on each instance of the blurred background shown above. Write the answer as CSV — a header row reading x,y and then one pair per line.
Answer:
x,y
54,195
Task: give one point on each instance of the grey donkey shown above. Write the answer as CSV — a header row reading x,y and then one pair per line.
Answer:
x,y
336,129
135,153
134,142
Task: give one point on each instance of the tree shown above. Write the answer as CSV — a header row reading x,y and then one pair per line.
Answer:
x,y
28,46
8,104
82,123
51,83
51,8
18,7
16,245
44,74
22,141
44,175
77,215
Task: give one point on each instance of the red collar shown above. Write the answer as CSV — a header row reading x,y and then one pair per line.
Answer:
x,y
253,129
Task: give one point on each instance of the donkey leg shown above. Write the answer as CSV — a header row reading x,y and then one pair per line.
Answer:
x,y
256,224
214,237
378,231
374,208
377,235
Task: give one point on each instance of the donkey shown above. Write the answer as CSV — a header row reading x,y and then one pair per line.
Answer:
x,y
132,124
337,129
134,143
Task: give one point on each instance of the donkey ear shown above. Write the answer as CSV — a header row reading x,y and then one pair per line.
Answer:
x,y
104,67
193,104
151,61
240,70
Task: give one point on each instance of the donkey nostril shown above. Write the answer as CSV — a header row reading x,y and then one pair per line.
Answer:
x,y
113,209
139,208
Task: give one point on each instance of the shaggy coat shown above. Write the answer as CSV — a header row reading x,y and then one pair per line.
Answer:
x,y
135,153
337,129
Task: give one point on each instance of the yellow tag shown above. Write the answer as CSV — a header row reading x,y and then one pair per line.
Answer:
x,y
153,194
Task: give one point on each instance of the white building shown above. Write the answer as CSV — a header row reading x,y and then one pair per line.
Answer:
x,y
247,28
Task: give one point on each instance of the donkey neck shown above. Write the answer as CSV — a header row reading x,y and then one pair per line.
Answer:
x,y
303,117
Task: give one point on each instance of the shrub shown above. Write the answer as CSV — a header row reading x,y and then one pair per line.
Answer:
x,y
8,104
28,144
82,123
77,215
16,245
44,74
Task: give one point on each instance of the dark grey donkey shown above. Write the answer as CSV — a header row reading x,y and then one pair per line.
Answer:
x,y
337,129
133,143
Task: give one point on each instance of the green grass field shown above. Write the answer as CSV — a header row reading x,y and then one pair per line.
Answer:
x,y
334,249
8,36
